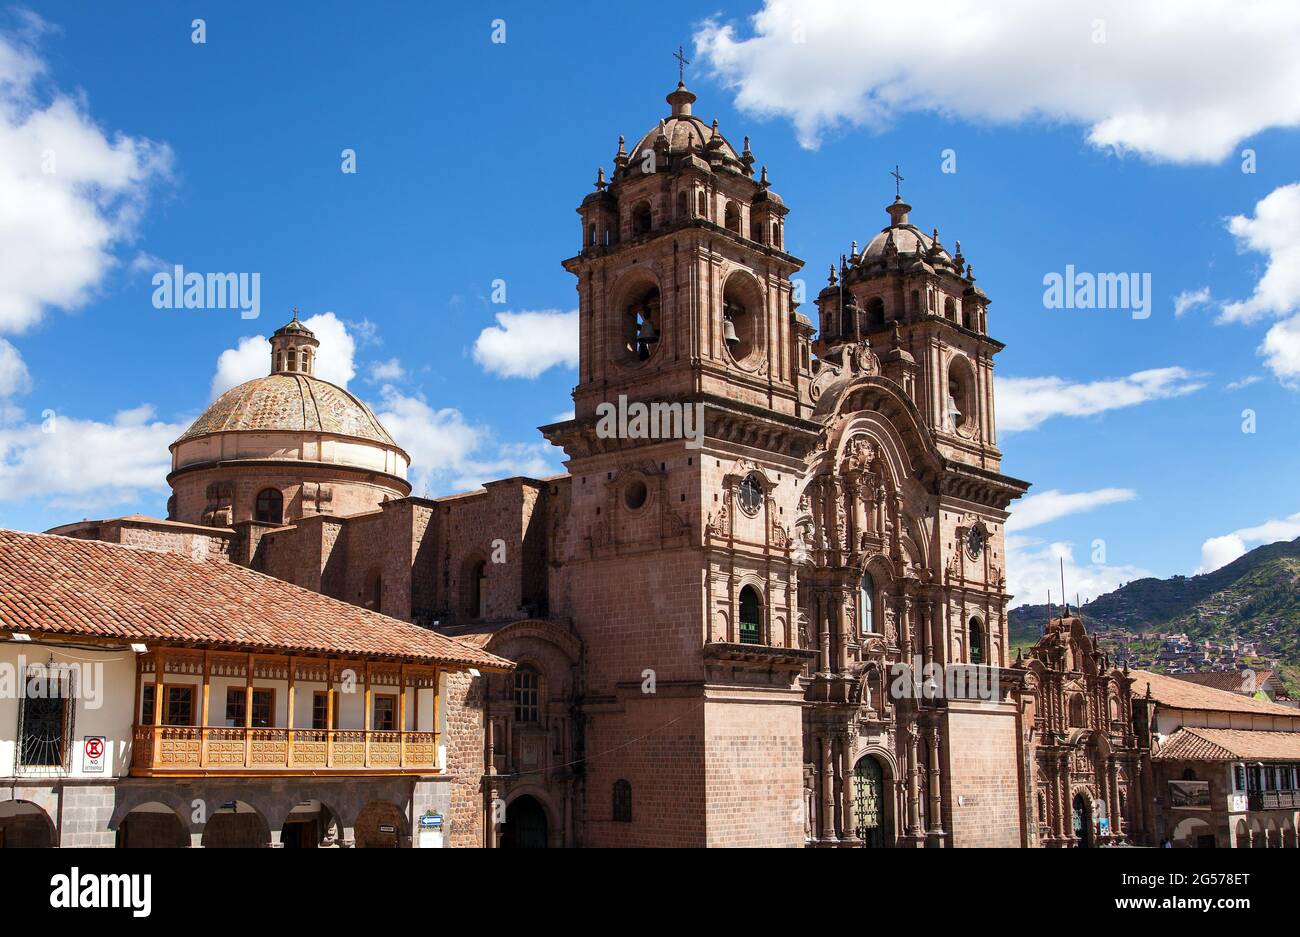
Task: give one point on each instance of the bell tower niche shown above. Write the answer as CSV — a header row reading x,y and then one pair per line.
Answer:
x,y
683,280
916,304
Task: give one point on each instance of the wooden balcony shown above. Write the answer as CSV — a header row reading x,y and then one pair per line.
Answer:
x,y
159,751
1274,800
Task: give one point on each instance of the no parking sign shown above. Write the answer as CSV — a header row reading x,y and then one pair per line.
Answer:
x,y
92,757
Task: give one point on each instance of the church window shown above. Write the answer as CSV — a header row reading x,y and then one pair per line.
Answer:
x,y
302,360
976,642
591,235
702,205
373,593
867,604
641,218
732,217
1078,712
635,494
750,625
950,309
776,234
622,801
270,506
750,494
527,695
875,313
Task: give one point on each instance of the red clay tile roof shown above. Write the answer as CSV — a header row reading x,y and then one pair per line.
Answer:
x,y
1229,680
87,588
1180,694
1194,744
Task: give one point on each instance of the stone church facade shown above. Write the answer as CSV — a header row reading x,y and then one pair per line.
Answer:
x,y
708,629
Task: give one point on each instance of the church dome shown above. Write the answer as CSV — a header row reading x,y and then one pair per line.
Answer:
x,y
283,447
293,402
687,133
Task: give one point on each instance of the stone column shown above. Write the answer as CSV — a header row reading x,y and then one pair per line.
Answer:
x,y
828,792
936,795
849,825
824,625
913,782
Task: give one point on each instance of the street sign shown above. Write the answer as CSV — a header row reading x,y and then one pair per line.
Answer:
x,y
92,760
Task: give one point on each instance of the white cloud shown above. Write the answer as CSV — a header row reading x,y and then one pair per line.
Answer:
x,y
390,370
1217,552
1190,299
1273,231
71,193
1034,567
14,378
448,453
524,344
1052,505
1024,403
251,358
1244,382
1167,82
84,463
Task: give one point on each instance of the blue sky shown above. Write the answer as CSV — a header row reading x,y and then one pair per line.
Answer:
x,y
471,157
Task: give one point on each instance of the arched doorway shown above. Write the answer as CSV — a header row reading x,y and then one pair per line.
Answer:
x,y
1082,821
236,825
869,803
525,826
380,825
152,826
25,825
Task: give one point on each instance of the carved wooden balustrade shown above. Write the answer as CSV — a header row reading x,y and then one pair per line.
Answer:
x,y
178,749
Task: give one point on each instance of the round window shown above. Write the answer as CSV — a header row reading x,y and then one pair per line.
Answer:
x,y
634,494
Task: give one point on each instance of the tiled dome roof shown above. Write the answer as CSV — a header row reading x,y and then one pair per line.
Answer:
x,y
292,402
684,132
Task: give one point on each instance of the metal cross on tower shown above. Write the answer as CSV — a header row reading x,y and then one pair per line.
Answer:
x,y
898,182
682,62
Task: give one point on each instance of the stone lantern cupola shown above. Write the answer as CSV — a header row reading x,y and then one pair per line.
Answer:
x,y
293,348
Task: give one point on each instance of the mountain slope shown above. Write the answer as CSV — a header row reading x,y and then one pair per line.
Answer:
x,y
1256,598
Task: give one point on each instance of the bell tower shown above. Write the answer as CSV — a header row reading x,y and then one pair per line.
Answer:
x,y
906,292
675,549
683,278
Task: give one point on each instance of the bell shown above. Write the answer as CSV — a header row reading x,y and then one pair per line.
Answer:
x,y
729,333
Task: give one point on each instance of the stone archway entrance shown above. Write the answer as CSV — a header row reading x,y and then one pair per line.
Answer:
x,y
869,803
525,826
1081,819
152,826
25,825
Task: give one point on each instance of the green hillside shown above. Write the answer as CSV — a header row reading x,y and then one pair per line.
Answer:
x,y
1255,598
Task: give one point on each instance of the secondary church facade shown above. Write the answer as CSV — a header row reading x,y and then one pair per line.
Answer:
x,y
707,630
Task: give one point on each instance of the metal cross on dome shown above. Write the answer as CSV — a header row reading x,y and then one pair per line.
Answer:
x,y
898,182
682,62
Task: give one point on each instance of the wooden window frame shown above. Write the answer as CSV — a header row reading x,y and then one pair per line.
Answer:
x,y
239,695
374,711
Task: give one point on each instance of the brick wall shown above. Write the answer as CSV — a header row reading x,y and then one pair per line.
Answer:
x,y
982,769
